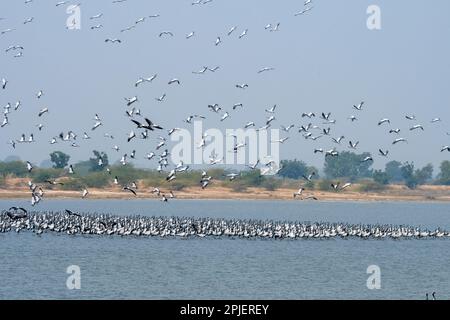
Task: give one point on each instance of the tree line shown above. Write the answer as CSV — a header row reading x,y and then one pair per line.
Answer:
x,y
347,166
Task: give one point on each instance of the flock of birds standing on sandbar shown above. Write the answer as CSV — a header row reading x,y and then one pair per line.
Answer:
x,y
18,219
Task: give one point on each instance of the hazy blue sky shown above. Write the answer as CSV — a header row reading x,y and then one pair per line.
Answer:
x,y
326,60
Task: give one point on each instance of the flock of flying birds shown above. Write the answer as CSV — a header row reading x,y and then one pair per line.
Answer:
x,y
143,127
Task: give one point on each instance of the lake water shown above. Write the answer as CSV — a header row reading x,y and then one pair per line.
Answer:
x,y
151,268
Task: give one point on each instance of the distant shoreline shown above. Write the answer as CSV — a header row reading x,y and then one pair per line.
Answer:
x,y
393,193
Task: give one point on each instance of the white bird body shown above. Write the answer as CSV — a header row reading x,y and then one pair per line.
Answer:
x,y
174,80
131,100
85,193
417,126
385,120
243,34
96,125
353,145
43,111
231,30
338,140
97,16
436,120
399,140
225,115
29,166
272,109
359,106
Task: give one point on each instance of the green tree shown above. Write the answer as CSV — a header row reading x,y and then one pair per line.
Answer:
x,y
60,159
99,157
41,175
425,174
380,177
413,178
394,171
252,178
271,184
294,169
444,175
349,165
16,168
408,175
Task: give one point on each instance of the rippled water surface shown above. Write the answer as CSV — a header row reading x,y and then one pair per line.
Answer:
x,y
151,268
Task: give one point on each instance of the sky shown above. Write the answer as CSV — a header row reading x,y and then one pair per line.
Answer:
x,y
325,60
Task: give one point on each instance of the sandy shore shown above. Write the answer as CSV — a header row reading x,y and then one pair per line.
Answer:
x,y
393,193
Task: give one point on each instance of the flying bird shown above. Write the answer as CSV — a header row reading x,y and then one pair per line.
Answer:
x,y
126,188
29,166
131,100
417,126
174,80
243,34
113,40
85,193
359,106
42,112
353,145
399,140
166,33
265,69
161,98
308,115
366,159
231,30
383,153
272,109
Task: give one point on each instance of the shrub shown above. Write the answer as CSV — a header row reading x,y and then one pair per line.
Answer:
x,y
238,186
444,175
371,186
216,173
252,178
16,168
381,177
271,184
310,185
2,181
41,175
177,185
72,184
324,185
96,180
